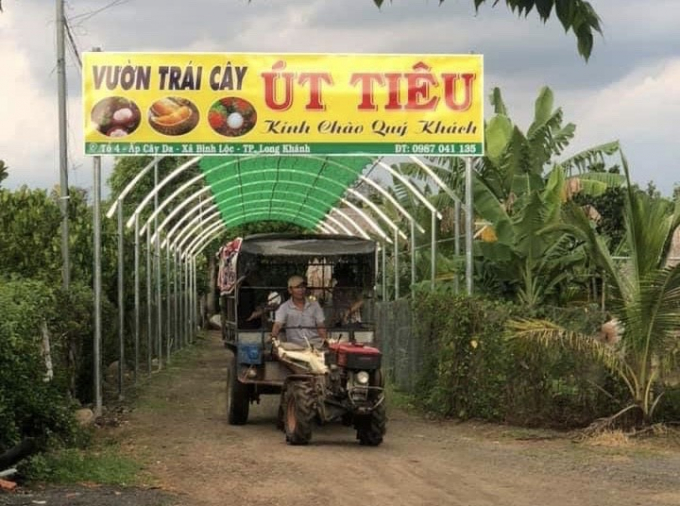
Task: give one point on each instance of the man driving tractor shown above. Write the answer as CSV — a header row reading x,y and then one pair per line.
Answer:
x,y
303,319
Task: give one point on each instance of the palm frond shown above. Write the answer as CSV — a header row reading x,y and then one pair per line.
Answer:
x,y
550,335
583,160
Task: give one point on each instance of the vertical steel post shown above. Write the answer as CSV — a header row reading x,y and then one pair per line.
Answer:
x,y
168,302
121,304
413,256
384,272
149,312
157,275
159,304
63,148
433,250
456,232
469,228
396,264
137,298
178,333
97,169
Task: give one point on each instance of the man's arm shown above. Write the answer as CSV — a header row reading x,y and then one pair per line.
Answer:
x,y
319,317
276,329
279,320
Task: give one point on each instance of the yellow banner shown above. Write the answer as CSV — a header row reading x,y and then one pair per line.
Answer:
x,y
224,103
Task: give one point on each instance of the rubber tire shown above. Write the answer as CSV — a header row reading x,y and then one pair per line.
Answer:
x,y
372,428
281,413
298,412
238,396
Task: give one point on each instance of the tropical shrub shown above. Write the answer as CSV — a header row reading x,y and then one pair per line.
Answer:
x,y
470,370
30,404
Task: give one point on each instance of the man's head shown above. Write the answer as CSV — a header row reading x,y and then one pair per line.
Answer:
x,y
297,286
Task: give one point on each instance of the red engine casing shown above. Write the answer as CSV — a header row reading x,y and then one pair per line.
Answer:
x,y
356,356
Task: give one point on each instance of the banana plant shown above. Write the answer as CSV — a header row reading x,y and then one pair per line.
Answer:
x,y
530,259
645,298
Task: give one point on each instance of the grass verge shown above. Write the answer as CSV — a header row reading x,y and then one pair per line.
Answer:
x,y
69,466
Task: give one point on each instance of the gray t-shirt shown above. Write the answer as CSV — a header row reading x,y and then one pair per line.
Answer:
x,y
300,323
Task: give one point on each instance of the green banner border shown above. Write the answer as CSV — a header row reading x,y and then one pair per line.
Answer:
x,y
283,149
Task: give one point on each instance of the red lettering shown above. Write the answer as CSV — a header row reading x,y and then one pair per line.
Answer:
x,y
315,96
450,93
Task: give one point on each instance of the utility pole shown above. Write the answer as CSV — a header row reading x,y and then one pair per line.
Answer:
x,y
63,160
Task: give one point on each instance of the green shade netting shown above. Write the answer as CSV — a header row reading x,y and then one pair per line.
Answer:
x,y
295,189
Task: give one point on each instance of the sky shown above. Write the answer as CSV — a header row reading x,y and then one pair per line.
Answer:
x,y
628,91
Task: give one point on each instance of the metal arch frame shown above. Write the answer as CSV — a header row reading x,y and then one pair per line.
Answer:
x,y
436,178
418,194
341,225
340,212
294,183
190,227
188,164
128,188
140,207
197,208
365,216
393,201
215,196
354,224
210,207
260,211
214,215
324,227
378,211
169,198
212,228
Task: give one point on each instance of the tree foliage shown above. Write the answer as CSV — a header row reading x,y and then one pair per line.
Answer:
x,y
645,296
575,15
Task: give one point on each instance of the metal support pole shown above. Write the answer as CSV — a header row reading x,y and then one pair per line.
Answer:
x,y
384,273
377,267
413,256
137,298
149,313
97,170
159,305
187,333
178,291
121,306
433,252
396,264
157,275
456,232
168,309
63,149
469,231
192,298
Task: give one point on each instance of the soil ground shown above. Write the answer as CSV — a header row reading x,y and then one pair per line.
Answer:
x,y
193,457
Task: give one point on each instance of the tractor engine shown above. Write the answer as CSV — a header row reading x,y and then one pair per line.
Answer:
x,y
355,372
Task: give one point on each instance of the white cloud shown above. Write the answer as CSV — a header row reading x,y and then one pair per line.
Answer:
x,y
627,91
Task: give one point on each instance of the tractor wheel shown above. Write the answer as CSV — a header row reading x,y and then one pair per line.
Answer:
x,y
281,414
299,412
372,428
238,396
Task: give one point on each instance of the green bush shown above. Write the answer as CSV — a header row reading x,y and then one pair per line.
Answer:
x,y
471,369
30,406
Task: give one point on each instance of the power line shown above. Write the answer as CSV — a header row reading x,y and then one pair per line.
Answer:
x,y
72,43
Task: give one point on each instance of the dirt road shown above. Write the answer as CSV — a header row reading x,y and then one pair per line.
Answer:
x,y
180,428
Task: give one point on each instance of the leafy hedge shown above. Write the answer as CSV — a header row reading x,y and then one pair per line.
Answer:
x,y
472,370
31,406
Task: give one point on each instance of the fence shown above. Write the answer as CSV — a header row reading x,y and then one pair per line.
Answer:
x,y
402,354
